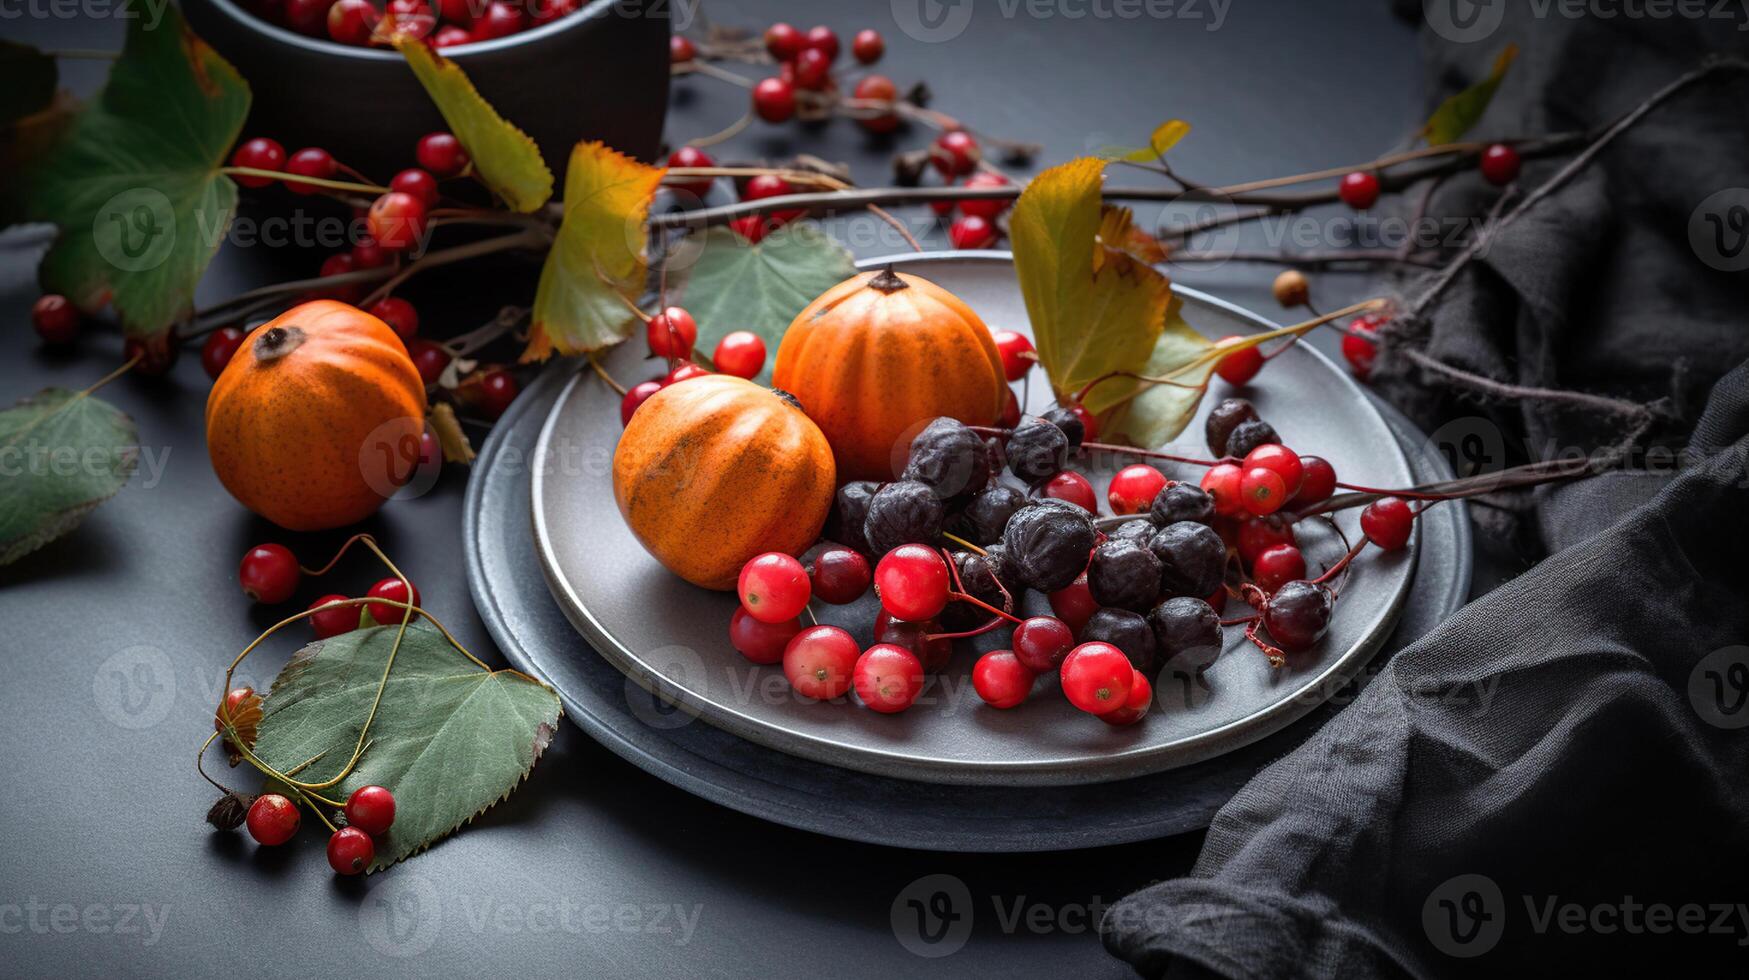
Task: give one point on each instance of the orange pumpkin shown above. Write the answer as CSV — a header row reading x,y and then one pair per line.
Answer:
x,y
878,355
316,420
715,470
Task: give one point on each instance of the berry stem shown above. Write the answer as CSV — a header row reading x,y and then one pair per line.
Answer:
x,y
962,542
994,623
322,182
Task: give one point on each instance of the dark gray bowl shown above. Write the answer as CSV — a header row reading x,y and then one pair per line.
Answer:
x,y
601,73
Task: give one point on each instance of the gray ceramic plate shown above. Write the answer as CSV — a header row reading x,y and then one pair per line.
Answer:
x,y
672,638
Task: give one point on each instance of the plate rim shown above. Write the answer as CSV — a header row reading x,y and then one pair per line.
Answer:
x,y
879,761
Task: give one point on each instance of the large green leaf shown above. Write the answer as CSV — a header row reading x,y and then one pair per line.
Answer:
x,y
505,158
135,187
61,454
737,286
1456,115
595,269
1160,411
449,739
1095,307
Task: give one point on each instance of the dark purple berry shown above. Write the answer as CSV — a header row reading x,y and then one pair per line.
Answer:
x,y
849,511
1070,423
1248,436
1048,543
1188,633
1223,419
987,514
1193,559
949,459
1125,630
1139,530
1037,450
1182,502
978,578
1298,614
1123,573
906,512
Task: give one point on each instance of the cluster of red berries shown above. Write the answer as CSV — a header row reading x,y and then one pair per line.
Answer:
x,y
752,227
1499,164
671,335
443,23
370,811
1360,348
270,574
955,155
805,72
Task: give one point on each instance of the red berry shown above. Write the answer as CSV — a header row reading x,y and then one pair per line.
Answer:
x,y
751,227
671,333
1262,490
839,575
221,345
152,356
783,41
333,622
429,358
1134,488
430,451
760,642
1500,164
771,185
812,69
888,678
1017,353
368,253
1359,348
972,231
399,314
986,208
1041,643
441,153
56,319
1097,677
352,21
820,661
457,11
397,220
418,183
740,353
685,372
1136,706
955,153
1011,411
272,819
692,157
259,153
1284,461
823,40
1387,522
1318,481
1073,603
681,49
234,699
1089,422
309,17
371,809
394,590
411,17
551,10
638,394
774,100
774,587
339,264
1259,534
1222,483
1359,190
912,582
1240,366
310,162
923,639
1001,679
501,19
1278,566
877,88
1073,487
449,35
868,46
350,851
269,573
497,390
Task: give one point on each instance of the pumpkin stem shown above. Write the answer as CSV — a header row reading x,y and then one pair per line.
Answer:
x,y
792,400
888,282
277,342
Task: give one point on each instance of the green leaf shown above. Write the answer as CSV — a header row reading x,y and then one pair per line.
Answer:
x,y
595,269
135,187
737,286
27,81
504,156
449,739
1095,307
1456,115
1158,413
62,453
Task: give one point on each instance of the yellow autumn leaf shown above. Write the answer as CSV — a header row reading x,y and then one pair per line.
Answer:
x,y
1165,137
504,156
595,269
1095,308
451,438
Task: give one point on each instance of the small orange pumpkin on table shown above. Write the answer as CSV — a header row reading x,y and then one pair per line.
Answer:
x,y
714,470
880,354
316,419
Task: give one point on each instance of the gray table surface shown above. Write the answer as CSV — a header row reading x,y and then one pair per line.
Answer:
x,y
115,637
